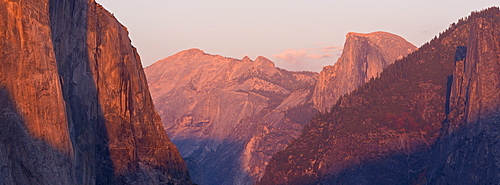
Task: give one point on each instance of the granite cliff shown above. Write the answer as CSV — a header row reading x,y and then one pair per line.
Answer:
x,y
364,57
75,106
229,116
468,151
391,129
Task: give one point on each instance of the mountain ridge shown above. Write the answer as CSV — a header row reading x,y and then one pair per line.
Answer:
x,y
220,103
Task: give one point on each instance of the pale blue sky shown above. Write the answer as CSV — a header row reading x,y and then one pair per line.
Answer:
x,y
295,34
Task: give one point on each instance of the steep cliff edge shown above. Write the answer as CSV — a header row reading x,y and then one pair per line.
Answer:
x,y
468,151
364,57
384,131
75,103
229,116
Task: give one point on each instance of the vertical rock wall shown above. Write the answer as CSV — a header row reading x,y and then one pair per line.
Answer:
x,y
75,100
34,140
468,151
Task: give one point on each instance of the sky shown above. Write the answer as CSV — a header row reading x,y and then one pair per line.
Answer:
x,y
298,35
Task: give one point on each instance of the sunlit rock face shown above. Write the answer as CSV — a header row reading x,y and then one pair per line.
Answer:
x,y
364,57
75,106
229,116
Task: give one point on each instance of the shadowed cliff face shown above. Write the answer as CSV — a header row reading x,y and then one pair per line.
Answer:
x,y
229,116
468,151
77,101
388,131
29,71
35,142
364,57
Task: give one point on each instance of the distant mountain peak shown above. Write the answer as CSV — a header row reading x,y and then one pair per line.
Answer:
x,y
215,106
264,61
246,59
262,58
370,34
191,51
364,56
379,37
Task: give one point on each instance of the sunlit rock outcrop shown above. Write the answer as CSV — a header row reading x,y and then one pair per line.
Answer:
x,y
364,57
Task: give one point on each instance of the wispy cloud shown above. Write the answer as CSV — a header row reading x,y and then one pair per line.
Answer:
x,y
291,55
323,43
314,57
331,49
297,55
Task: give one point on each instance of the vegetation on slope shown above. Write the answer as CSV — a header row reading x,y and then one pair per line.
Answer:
x,y
384,125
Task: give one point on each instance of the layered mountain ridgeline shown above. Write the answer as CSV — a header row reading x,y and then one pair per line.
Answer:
x,y
75,106
229,116
249,109
364,57
384,132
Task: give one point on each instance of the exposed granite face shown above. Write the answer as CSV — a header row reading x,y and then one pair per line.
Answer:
x,y
381,133
35,145
75,104
364,57
468,151
229,116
